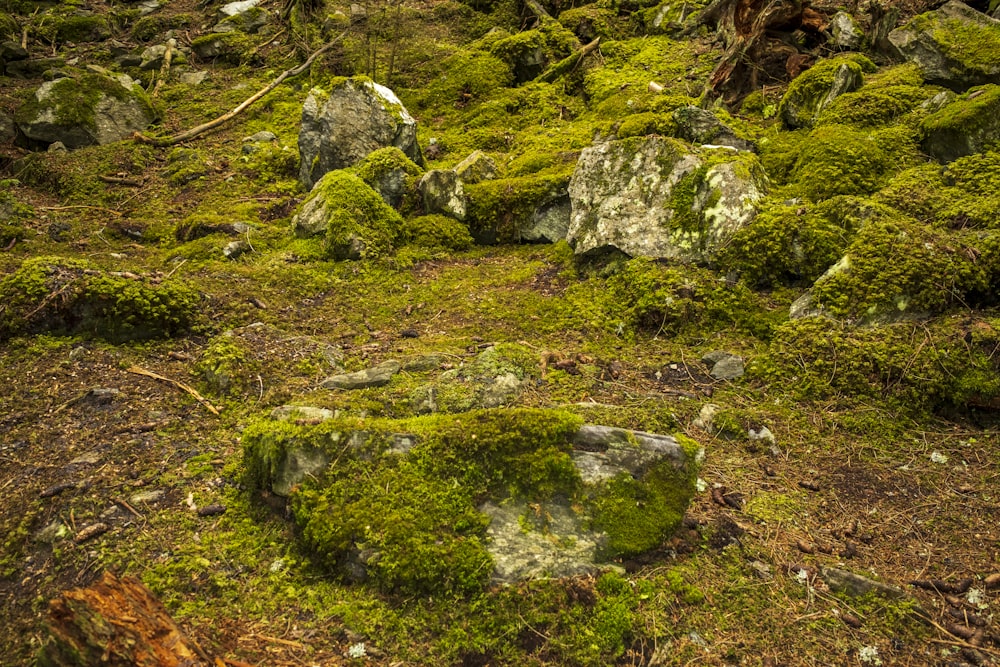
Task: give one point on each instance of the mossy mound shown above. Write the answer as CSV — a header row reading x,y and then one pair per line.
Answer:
x,y
839,160
874,105
83,27
71,296
354,219
968,125
499,210
915,367
896,266
436,232
816,88
402,505
392,174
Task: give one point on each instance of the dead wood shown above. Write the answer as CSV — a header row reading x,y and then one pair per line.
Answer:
x,y
180,385
567,65
224,118
116,622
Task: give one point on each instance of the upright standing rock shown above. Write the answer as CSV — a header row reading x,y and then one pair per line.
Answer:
x,y
343,125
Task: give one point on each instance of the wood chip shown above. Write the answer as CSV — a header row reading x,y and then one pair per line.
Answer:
x,y
992,582
805,547
91,532
851,620
811,486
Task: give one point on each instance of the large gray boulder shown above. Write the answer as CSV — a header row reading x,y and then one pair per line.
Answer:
x,y
950,45
443,193
654,197
341,126
92,109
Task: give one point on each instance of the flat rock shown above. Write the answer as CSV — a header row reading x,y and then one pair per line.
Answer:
x,y
377,376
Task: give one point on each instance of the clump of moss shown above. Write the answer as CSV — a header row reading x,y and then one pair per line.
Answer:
x,y
791,242
649,296
647,123
966,126
813,90
895,266
436,231
838,160
393,175
591,21
355,220
226,365
466,78
500,209
71,296
185,165
874,105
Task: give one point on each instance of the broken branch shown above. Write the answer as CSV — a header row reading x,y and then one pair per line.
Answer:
x,y
180,385
567,65
212,124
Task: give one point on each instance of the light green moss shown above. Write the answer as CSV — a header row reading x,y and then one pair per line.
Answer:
x,y
838,160
967,125
436,231
499,209
808,93
226,365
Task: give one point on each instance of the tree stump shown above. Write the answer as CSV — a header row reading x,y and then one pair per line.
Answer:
x,y
116,622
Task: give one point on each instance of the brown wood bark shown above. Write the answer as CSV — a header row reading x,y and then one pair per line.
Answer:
x,y
116,622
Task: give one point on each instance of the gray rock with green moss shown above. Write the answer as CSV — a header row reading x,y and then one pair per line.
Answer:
x,y
954,46
814,90
654,197
476,168
342,125
967,125
701,126
845,33
91,109
243,16
376,376
443,193
451,503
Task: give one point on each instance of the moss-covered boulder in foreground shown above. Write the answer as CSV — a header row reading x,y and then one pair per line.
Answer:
x,y
968,125
71,296
816,88
444,503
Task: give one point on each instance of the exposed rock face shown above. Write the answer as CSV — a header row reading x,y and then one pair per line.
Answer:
x,y
969,124
845,34
652,197
342,126
549,221
951,46
443,193
93,109
243,16
477,167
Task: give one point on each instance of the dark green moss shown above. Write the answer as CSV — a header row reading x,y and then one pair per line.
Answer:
x,y
226,365
436,231
70,296
499,209
838,160
808,94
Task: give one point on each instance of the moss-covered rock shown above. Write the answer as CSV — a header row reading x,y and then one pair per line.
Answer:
x,y
436,231
954,46
407,504
969,124
592,21
817,87
839,160
391,173
89,109
76,27
506,210
354,219
71,296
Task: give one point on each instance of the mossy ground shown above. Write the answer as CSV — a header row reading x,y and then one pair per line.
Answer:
x,y
895,426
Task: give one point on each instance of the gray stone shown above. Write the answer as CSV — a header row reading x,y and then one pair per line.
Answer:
x,y
764,434
234,249
377,376
304,413
856,585
192,78
729,367
427,362
549,221
845,34
295,466
603,452
342,126
264,136
940,43
701,126
562,547
146,497
443,193
622,194
33,68
476,168
967,125
501,391
11,51
7,129
152,57
66,110
244,16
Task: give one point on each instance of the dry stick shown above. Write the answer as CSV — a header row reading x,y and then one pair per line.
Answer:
x,y
180,385
66,208
211,125
165,69
566,65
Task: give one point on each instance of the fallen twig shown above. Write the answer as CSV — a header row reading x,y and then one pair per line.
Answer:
x,y
66,208
180,385
567,65
212,124
165,69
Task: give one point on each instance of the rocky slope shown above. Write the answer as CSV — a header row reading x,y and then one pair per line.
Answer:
x,y
624,333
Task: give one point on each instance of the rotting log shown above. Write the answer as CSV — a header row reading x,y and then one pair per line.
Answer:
x,y
116,622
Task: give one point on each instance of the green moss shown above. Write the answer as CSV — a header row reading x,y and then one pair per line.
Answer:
x,y
226,365
658,298
466,78
360,224
185,165
647,123
838,160
774,508
967,125
807,95
499,209
8,26
874,105
60,295
895,266
779,152
639,514
382,161
970,45
436,231
794,242
591,21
